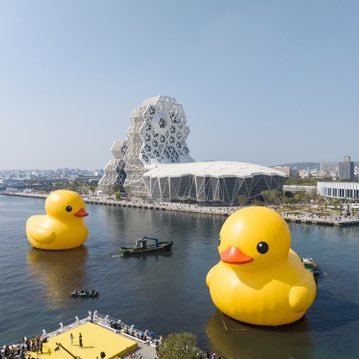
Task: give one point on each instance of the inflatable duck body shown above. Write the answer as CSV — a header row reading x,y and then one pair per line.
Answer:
x,y
259,279
62,227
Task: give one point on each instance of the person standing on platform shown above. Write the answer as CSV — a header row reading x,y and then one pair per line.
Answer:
x,y
72,338
80,340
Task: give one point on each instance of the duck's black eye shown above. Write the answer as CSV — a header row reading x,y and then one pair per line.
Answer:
x,y
68,208
262,247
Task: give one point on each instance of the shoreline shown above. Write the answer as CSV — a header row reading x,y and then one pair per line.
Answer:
x,y
177,207
337,221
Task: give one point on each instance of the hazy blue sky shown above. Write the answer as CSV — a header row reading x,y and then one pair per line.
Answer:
x,y
260,81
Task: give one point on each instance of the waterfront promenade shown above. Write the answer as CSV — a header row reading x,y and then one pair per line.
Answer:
x,y
178,207
321,220
309,218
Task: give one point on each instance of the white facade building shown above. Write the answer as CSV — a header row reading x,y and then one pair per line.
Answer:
x,y
154,162
208,182
339,190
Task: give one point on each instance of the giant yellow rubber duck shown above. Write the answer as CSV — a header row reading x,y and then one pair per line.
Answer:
x,y
62,227
259,279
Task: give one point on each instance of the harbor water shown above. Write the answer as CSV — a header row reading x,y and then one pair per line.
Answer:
x,y
167,293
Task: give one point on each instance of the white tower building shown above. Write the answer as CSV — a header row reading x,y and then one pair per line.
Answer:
x,y
157,134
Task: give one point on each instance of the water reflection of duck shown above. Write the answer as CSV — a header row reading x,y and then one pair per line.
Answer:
x,y
234,340
59,271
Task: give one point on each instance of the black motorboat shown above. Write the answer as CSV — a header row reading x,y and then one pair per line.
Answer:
x,y
142,247
311,266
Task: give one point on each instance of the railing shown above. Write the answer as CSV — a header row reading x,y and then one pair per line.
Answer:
x,y
130,331
115,325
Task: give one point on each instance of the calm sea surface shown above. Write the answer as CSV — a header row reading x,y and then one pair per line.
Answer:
x,y
168,293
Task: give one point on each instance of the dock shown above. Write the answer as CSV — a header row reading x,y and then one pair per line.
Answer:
x,y
339,221
100,333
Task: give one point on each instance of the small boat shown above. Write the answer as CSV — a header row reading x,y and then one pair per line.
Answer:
x,y
310,265
84,294
142,247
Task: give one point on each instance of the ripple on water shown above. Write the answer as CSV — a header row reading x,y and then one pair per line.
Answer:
x,y
168,293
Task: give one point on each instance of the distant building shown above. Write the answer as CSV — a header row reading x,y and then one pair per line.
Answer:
x,y
339,190
305,174
328,166
346,169
153,162
299,188
284,169
288,171
294,173
334,175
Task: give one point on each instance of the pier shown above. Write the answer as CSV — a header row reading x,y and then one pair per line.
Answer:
x,y
112,333
338,221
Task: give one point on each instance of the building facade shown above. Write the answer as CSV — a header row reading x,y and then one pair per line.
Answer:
x,y
153,162
157,134
339,190
346,169
328,167
291,172
216,182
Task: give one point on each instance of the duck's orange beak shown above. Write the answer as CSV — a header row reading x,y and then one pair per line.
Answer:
x,y
81,213
235,256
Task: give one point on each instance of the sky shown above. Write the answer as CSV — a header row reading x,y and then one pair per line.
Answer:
x,y
267,82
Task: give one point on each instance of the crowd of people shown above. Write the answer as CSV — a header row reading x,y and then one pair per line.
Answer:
x,y
135,333
24,350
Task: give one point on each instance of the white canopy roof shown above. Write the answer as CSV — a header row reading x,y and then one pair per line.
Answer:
x,y
211,168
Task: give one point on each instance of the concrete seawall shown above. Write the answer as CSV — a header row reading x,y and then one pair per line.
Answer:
x,y
192,208
177,207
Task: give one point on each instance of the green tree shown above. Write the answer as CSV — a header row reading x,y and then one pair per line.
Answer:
x,y
305,181
179,346
271,196
242,200
116,188
257,202
118,196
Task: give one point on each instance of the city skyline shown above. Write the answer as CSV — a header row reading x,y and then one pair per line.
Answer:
x,y
272,82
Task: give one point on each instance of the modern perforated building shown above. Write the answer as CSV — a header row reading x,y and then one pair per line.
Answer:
x,y
157,134
210,182
154,162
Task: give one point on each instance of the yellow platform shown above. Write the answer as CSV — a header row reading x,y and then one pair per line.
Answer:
x,y
95,340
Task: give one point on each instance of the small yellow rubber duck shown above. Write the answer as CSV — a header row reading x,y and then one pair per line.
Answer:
x,y
259,279
63,226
